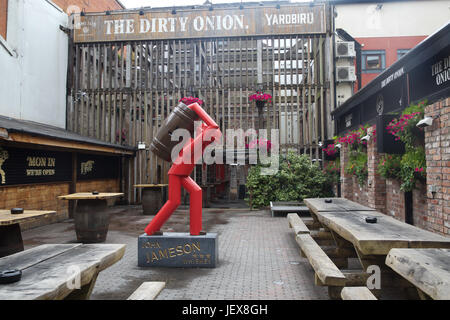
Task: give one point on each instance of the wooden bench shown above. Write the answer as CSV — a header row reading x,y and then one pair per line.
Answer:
x,y
297,224
58,271
148,291
323,266
357,293
288,207
426,269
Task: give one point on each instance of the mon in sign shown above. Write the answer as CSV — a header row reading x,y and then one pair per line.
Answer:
x,y
296,19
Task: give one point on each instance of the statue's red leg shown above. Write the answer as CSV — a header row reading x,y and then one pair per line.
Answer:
x,y
195,196
170,206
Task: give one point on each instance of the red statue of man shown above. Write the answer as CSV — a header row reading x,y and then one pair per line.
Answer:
x,y
179,176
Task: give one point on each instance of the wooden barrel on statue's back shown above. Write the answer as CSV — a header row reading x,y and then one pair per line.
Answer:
x,y
181,118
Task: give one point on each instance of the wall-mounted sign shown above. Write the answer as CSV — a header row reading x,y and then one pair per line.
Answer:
x,y
393,76
431,77
380,104
97,167
220,22
27,166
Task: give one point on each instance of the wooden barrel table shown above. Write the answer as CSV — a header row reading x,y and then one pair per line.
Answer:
x,y
91,215
11,232
153,197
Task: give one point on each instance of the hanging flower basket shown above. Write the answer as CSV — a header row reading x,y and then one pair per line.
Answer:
x,y
190,100
261,98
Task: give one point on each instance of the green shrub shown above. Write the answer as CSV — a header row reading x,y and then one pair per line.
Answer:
x,y
332,171
297,178
413,168
389,166
357,166
413,162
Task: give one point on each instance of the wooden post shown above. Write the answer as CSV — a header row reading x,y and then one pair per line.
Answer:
x,y
73,184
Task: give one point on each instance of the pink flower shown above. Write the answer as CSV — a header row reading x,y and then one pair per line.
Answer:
x,y
190,100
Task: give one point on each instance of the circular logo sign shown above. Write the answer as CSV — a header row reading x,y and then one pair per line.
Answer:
x,y
380,104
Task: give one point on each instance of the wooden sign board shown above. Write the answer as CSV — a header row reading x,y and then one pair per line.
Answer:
x,y
220,22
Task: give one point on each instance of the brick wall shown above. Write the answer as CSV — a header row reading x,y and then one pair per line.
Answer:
x,y
3,17
346,179
437,147
395,200
37,197
431,210
420,204
360,193
45,197
106,185
89,6
376,185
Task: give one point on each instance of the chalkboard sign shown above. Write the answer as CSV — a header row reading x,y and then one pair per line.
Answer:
x,y
28,166
97,167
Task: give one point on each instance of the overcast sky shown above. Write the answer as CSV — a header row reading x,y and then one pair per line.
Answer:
x,y
168,3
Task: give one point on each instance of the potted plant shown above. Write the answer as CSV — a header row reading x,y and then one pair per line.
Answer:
x,y
413,161
260,99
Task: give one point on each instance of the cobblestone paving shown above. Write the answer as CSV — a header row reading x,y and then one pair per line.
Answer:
x,y
259,258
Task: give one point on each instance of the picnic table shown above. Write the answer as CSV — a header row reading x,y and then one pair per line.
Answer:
x,y
427,269
152,197
91,215
10,232
347,220
369,242
50,272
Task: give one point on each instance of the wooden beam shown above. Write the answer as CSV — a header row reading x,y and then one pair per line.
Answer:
x,y
297,224
357,293
45,141
324,267
148,291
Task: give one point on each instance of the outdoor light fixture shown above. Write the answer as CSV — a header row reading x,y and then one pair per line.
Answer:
x,y
366,138
108,13
142,146
174,11
425,122
320,144
82,13
141,12
278,6
339,146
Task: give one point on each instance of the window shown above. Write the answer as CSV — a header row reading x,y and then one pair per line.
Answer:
x,y
401,53
373,61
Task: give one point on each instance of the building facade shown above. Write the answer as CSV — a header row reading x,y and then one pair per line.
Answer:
x,y
39,159
422,76
90,5
386,30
